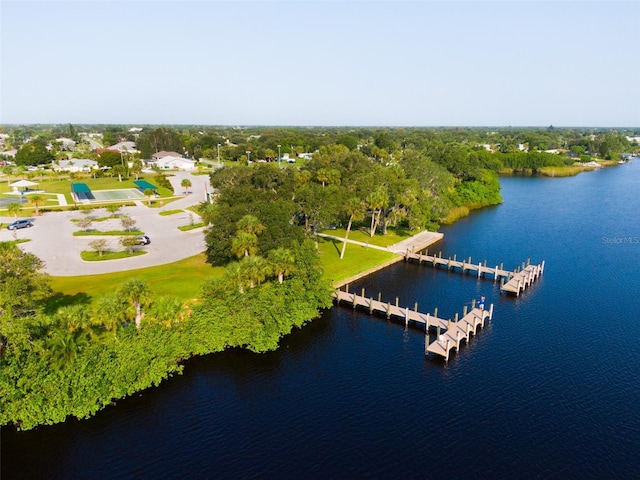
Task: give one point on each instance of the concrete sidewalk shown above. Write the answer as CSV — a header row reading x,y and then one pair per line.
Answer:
x,y
415,243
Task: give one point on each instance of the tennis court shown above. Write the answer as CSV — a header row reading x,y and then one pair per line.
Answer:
x,y
121,194
6,200
84,194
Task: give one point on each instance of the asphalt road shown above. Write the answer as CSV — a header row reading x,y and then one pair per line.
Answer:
x,y
52,237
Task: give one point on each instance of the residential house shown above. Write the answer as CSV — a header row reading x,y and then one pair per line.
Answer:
x,y
162,154
75,165
171,162
124,147
66,143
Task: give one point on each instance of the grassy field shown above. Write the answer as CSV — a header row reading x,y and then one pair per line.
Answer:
x,y
181,279
62,185
356,259
362,235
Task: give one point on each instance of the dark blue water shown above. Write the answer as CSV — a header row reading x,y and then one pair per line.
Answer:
x,y
550,389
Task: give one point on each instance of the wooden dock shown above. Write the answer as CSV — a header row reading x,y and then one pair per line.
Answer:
x,y
515,281
523,279
449,333
457,331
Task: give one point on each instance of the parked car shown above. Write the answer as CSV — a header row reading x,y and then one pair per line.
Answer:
x,y
19,224
143,240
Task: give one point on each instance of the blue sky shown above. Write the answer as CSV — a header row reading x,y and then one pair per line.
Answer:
x,y
394,63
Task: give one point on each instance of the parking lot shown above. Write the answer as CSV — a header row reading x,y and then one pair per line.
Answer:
x,y
52,240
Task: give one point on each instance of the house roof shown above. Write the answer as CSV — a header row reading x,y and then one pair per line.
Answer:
x,y
78,162
164,153
123,146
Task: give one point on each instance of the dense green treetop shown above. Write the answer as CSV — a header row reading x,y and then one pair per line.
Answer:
x,y
34,153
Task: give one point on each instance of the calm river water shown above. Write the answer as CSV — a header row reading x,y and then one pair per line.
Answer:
x,y
550,389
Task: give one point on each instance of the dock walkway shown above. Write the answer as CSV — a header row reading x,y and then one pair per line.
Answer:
x,y
449,333
457,331
516,281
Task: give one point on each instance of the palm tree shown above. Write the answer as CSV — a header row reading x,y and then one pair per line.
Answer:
x,y
119,170
36,200
167,310
110,311
250,224
282,262
75,318
377,201
254,270
63,346
13,208
185,183
136,168
234,275
148,192
355,209
244,244
137,295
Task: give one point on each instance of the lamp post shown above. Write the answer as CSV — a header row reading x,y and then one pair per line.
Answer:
x,y
248,156
219,155
279,164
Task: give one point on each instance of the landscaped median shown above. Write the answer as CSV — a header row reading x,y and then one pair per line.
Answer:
x,y
90,256
110,233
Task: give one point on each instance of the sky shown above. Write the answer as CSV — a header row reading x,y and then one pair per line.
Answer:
x,y
321,63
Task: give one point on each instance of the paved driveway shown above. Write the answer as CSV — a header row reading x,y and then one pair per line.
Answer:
x,y
52,237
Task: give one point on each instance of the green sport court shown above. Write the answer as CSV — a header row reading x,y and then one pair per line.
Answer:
x,y
83,193
6,200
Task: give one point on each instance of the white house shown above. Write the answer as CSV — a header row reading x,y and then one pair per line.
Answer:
x,y
66,143
174,163
162,154
75,165
125,147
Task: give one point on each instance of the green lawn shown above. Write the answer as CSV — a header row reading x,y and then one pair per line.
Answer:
x,y
109,233
52,185
361,234
181,279
166,213
91,256
186,228
356,259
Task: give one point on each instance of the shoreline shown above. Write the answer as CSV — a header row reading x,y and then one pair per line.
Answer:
x,y
415,243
